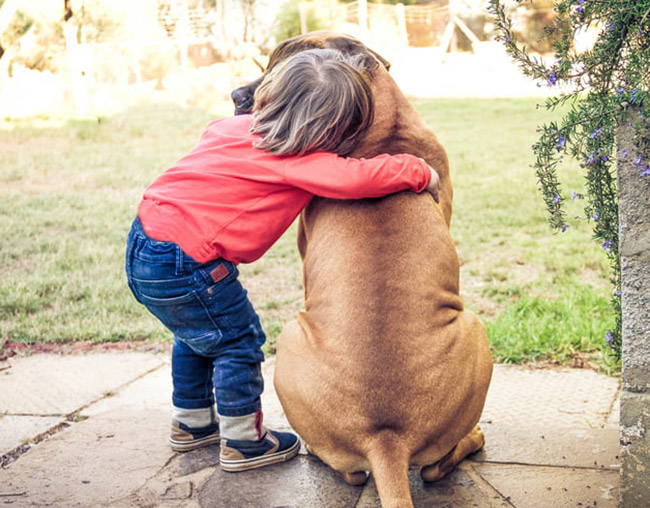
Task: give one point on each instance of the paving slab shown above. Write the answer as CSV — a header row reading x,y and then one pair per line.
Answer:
x,y
21,430
613,421
118,454
568,397
45,384
274,417
150,392
543,487
100,460
551,446
304,481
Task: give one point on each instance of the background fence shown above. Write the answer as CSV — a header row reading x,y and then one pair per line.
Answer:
x,y
191,52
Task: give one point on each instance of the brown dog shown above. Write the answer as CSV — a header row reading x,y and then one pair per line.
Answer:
x,y
385,368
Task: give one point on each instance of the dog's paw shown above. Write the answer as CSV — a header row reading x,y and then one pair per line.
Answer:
x,y
357,478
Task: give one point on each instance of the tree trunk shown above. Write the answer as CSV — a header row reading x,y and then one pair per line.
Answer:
x,y
67,10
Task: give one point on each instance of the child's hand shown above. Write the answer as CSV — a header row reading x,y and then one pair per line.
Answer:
x,y
434,184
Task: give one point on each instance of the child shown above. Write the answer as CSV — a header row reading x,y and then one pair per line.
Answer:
x,y
226,202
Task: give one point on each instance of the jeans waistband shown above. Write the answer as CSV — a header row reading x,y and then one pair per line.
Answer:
x,y
137,228
183,261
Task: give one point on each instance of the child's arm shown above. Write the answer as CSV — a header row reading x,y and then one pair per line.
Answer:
x,y
325,174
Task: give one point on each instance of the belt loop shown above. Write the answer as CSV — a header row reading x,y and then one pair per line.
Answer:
x,y
179,261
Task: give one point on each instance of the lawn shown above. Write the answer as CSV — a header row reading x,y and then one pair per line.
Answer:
x,y
69,191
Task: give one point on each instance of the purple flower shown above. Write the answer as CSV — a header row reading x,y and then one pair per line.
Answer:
x,y
556,198
565,227
637,161
645,171
597,216
607,246
580,10
592,158
611,26
574,195
561,143
624,153
609,336
618,293
596,133
620,91
552,79
604,158
507,38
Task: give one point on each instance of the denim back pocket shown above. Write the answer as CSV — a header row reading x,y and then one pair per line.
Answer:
x,y
185,315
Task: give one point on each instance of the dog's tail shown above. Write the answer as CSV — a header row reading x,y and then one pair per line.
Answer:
x,y
389,463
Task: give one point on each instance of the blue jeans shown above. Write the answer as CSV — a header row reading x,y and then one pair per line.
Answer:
x,y
217,334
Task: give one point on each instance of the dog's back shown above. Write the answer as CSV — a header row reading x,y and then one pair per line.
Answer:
x,y
384,368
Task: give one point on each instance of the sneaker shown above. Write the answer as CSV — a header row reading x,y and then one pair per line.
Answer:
x,y
184,438
274,447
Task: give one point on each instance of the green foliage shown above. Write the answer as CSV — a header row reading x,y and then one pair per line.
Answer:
x,y
600,85
532,326
287,21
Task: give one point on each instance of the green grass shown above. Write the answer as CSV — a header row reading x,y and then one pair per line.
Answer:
x,y
69,191
563,325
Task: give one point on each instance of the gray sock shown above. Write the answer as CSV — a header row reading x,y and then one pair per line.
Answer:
x,y
242,428
194,418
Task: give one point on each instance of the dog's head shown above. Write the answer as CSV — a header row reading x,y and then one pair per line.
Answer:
x,y
243,97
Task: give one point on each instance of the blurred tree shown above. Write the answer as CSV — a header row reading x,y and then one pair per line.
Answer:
x,y
248,10
393,2
67,10
93,20
13,23
287,21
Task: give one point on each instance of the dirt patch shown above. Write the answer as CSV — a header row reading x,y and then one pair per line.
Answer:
x,y
10,348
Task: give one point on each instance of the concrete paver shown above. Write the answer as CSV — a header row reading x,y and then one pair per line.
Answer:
x,y
540,487
102,459
613,421
38,392
568,397
18,430
44,384
118,454
301,482
551,446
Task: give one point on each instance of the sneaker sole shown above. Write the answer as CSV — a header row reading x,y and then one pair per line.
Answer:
x,y
235,466
186,446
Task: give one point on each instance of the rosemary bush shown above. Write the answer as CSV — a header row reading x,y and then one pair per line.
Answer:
x,y
600,85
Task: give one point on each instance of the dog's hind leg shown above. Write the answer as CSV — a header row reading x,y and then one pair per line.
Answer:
x,y
471,443
356,478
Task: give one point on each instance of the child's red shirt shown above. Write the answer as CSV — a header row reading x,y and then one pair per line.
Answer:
x,y
227,199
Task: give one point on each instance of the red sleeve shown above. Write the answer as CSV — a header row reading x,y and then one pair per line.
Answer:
x,y
328,175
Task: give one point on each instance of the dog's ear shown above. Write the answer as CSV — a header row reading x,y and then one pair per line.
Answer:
x,y
350,45
292,46
381,59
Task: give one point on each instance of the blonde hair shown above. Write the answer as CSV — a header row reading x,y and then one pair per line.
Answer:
x,y
315,100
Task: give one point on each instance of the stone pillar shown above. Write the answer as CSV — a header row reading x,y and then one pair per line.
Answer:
x,y
634,224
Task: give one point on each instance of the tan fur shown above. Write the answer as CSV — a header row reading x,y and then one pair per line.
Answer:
x,y
385,368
